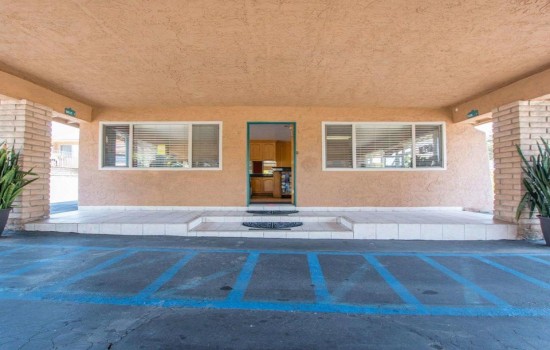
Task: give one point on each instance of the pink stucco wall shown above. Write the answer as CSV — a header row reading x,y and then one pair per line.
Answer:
x,y
465,183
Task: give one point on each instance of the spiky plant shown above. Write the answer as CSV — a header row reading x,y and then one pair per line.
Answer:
x,y
536,180
12,178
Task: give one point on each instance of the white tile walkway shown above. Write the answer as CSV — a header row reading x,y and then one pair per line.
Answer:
x,y
406,224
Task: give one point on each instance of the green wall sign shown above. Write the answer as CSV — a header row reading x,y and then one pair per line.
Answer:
x,y
70,111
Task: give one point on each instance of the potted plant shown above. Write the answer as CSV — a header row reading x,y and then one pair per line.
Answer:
x,y
536,181
12,181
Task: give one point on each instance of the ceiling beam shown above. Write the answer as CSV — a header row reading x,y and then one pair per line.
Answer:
x,y
528,88
21,89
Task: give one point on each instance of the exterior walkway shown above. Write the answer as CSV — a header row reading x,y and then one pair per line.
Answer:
x,y
383,224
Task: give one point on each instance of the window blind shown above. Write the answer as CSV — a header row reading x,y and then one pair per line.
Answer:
x,y
115,145
428,146
160,146
206,146
338,148
383,146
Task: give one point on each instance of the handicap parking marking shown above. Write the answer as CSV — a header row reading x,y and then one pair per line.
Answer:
x,y
318,279
534,258
42,262
513,272
324,301
165,277
87,273
465,282
241,285
399,288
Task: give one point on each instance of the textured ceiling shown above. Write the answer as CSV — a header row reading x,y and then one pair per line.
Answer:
x,y
398,53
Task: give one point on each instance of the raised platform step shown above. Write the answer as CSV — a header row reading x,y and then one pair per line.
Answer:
x,y
309,230
405,225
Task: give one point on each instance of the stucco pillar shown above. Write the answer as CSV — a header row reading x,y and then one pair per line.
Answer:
x,y
520,123
28,126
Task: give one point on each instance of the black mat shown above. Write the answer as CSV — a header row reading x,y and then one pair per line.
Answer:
x,y
272,212
271,225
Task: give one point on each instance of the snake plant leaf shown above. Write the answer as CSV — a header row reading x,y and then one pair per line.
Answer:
x,y
536,181
13,178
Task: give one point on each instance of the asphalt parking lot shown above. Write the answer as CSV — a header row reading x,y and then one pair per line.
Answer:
x,y
122,292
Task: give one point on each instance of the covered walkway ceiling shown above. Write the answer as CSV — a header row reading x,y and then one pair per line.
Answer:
x,y
399,53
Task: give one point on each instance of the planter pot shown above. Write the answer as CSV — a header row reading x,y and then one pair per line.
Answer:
x,y
545,225
4,214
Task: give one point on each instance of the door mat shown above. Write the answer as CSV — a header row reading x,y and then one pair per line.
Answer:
x,y
271,225
272,212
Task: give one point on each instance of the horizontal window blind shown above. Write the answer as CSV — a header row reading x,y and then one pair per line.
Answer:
x,y
383,146
206,146
115,145
338,148
161,146
428,146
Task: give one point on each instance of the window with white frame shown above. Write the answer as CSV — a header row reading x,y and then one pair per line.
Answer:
x,y
382,146
161,145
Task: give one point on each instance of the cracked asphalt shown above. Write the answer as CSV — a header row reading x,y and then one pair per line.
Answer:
x,y
68,291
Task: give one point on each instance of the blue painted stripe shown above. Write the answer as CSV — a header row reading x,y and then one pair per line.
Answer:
x,y
11,251
318,279
350,282
165,277
532,258
275,251
465,282
514,272
42,262
286,306
397,287
89,272
240,286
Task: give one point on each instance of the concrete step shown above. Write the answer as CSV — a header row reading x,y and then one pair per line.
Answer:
x,y
309,230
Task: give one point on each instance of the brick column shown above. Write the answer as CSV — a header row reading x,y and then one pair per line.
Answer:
x,y
520,123
28,126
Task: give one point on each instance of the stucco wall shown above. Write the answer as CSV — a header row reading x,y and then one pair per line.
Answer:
x,y
465,183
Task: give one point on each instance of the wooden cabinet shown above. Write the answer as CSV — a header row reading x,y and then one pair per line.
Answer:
x,y
268,151
268,185
257,184
284,154
262,185
255,151
277,184
263,150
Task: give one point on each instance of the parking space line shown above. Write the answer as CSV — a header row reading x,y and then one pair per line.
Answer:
x,y
165,277
533,258
349,283
11,251
42,262
241,284
274,251
87,273
514,272
384,309
318,279
394,283
465,282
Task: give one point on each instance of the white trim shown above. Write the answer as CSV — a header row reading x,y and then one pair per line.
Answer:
x,y
131,146
443,139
